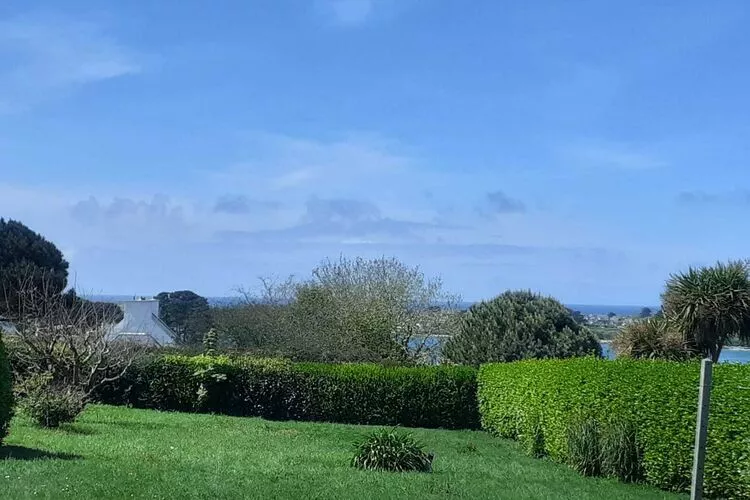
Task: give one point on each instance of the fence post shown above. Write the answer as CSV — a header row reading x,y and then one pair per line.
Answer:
x,y
701,430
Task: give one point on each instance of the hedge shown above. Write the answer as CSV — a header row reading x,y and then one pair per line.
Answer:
x,y
433,397
6,393
658,397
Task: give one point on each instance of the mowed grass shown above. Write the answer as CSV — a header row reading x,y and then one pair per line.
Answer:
x,y
125,453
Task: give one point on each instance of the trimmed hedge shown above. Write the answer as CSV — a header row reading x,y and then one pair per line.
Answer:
x,y
433,397
6,393
658,397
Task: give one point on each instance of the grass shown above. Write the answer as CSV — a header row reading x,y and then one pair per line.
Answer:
x,y
124,453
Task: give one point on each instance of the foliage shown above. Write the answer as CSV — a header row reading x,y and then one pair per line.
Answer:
x,y
390,450
584,449
711,305
117,452
657,397
6,392
519,325
276,389
187,314
49,404
646,312
622,453
653,338
350,310
578,316
210,342
532,437
73,345
27,260
90,312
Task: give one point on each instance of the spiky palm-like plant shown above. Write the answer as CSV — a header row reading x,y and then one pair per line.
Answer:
x,y
711,305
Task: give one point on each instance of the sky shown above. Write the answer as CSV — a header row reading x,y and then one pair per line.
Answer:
x,y
581,149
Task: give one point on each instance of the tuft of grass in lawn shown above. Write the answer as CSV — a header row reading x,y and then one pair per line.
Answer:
x,y
115,452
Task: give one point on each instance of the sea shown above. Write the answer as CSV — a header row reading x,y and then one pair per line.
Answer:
x,y
739,355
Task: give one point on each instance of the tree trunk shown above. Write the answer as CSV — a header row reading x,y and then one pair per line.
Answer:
x,y
716,352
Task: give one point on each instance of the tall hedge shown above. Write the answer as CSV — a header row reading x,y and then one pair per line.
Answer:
x,y
658,397
6,392
436,397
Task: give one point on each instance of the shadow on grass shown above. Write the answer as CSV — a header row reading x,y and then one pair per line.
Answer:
x,y
22,453
75,429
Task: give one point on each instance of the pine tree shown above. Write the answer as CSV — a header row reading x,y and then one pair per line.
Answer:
x,y
28,261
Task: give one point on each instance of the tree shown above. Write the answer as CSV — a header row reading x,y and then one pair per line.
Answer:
x,y
519,325
27,261
611,315
380,309
577,316
349,310
187,314
71,347
710,305
646,313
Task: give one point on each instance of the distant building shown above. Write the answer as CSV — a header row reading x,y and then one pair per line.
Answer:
x,y
141,323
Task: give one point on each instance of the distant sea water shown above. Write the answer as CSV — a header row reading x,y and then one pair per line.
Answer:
x,y
620,310
728,354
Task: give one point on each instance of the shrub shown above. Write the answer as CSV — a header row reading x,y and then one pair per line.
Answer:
x,y
584,451
659,398
6,393
519,325
434,396
532,439
390,450
653,338
622,454
49,405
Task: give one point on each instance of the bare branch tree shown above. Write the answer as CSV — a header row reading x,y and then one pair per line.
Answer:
x,y
68,338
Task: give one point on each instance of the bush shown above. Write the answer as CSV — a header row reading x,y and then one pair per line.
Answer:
x,y
49,406
389,450
659,398
519,325
584,451
6,393
622,454
435,396
653,338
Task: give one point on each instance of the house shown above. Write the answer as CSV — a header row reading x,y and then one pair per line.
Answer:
x,y
141,323
7,327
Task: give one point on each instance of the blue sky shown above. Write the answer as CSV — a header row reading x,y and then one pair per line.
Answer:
x,y
583,149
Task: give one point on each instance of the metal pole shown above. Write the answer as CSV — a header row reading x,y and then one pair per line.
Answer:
x,y
701,430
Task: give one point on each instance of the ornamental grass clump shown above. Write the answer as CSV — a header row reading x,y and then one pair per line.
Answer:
x,y
391,450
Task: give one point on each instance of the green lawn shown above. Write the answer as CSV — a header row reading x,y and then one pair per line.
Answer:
x,y
124,453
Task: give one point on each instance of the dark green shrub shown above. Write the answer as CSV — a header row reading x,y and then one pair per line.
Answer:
x,y
390,450
622,453
519,325
6,393
659,398
49,405
435,396
584,450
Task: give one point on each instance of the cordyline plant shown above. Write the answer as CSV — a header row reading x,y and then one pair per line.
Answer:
x,y
70,343
711,305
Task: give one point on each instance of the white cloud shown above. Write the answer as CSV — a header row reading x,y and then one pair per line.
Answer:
x,y
351,165
51,53
349,12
